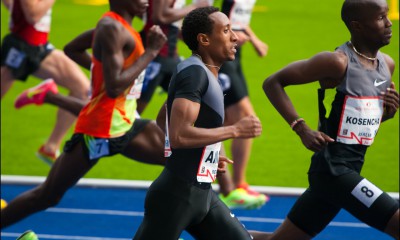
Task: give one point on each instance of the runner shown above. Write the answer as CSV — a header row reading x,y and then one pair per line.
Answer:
x,y
27,51
363,97
194,120
106,125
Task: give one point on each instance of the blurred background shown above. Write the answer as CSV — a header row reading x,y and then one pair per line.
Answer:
x,y
293,30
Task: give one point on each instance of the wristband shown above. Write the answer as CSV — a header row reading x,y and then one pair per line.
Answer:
x,y
295,122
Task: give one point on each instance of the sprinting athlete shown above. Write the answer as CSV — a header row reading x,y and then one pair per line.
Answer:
x,y
359,78
27,51
181,198
106,125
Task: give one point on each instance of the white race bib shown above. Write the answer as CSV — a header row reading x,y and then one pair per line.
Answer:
x,y
179,4
167,146
360,120
43,25
136,90
208,167
241,13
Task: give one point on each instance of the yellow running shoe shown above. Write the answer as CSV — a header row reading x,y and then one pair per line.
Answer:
x,y
241,199
28,235
3,203
250,191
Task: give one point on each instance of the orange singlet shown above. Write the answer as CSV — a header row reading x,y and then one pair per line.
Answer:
x,y
106,117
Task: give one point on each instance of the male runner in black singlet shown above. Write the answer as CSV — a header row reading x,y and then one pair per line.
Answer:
x,y
181,198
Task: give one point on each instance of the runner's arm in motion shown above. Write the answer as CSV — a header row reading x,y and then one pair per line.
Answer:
x,y
77,49
328,68
260,46
111,40
34,10
163,13
183,133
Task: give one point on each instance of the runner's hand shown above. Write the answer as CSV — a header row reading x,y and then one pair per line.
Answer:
x,y
155,38
222,163
248,127
312,140
391,101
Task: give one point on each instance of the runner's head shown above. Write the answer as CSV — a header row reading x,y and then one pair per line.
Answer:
x,y
207,30
367,20
132,7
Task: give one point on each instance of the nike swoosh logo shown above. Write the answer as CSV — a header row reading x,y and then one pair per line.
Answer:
x,y
32,93
377,83
232,215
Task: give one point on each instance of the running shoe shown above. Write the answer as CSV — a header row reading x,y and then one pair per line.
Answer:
x,y
35,95
28,235
47,157
3,203
240,199
250,191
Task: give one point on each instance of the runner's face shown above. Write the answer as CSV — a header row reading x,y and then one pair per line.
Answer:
x,y
222,39
375,25
138,7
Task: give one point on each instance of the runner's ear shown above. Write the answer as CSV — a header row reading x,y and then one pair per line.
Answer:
x,y
203,39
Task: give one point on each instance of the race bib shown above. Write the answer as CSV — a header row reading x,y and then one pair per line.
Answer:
x,y
207,170
167,146
366,192
179,4
136,90
241,13
98,147
360,120
43,25
14,58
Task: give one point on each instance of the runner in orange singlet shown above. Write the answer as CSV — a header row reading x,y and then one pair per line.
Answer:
x,y
106,124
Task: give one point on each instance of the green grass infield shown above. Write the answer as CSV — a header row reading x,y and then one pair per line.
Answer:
x,y
293,30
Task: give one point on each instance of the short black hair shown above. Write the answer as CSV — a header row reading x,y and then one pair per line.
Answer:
x,y
197,21
354,10
350,11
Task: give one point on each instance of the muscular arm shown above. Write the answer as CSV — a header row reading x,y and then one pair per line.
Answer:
x,y
77,49
111,38
184,135
322,67
182,132
326,67
164,14
260,46
34,10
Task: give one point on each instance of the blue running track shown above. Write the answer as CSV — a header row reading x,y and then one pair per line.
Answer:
x,y
111,213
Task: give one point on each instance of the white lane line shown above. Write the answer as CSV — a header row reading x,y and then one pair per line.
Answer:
x,y
141,214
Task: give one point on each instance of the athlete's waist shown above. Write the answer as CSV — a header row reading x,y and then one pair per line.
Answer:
x,y
185,173
31,37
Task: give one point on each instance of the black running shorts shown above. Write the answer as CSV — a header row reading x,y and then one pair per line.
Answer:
x,y
327,194
22,58
103,147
